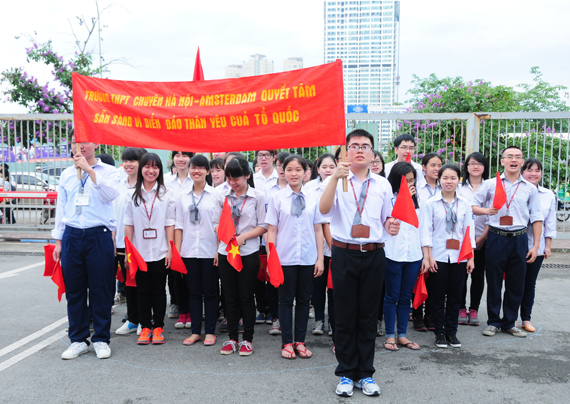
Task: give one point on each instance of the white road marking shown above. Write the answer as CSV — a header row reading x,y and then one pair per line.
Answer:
x,y
14,272
30,351
32,337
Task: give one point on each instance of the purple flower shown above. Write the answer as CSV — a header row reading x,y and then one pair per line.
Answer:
x,y
494,144
450,153
447,141
46,109
422,155
481,82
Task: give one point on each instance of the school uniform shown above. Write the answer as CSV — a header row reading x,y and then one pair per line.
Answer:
x,y
261,182
420,175
507,246
357,266
445,286
297,249
239,287
425,191
151,293
547,201
195,217
84,221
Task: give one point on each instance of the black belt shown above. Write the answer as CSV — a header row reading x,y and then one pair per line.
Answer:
x,y
505,233
358,247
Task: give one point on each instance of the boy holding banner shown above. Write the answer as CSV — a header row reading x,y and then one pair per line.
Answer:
x,y
360,219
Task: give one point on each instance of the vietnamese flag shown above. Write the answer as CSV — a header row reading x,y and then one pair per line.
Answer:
x,y
226,228
130,281
262,273
134,259
466,251
500,194
274,267
57,278
234,256
329,279
120,277
404,209
409,158
198,72
177,264
49,262
420,291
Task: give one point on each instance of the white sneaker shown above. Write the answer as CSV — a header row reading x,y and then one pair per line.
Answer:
x,y
102,349
368,386
126,328
344,387
275,328
74,350
139,329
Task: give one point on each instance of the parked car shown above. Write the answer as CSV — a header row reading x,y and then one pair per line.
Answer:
x,y
33,181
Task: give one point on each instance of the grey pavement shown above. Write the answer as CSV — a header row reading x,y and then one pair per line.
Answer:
x,y
486,369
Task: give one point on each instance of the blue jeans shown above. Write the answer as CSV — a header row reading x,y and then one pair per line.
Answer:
x,y
297,286
399,278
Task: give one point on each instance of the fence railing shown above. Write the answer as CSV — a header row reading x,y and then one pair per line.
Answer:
x,y
36,148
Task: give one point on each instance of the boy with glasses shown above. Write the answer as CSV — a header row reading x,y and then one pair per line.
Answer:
x,y
403,145
267,173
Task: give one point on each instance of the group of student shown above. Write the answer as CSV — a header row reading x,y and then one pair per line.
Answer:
x,y
330,242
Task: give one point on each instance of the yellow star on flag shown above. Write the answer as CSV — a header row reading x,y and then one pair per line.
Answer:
x,y
234,250
129,258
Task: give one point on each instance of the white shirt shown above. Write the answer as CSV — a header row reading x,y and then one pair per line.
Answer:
x,y
405,246
420,175
178,186
260,181
99,212
377,209
162,215
425,192
313,184
317,187
119,208
252,216
295,243
548,209
467,192
199,240
433,231
525,205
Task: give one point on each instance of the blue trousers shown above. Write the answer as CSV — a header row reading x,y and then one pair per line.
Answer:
x,y
505,255
319,297
529,287
88,266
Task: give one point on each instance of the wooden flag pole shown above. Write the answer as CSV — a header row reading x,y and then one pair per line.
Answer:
x,y
343,159
78,151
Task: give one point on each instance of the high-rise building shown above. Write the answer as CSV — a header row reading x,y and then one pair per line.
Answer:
x,y
234,71
365,34
258,64
292,64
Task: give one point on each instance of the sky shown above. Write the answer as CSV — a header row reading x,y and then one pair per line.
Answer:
x,y
497,41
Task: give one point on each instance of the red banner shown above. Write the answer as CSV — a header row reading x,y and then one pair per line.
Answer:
x,y
299,108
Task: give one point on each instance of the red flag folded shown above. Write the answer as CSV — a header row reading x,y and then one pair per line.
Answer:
x,y
120,277
262,273
329,279
134,259
409,158
226,228
420,291
57,278
49,262
500,194
404,207
198,72
234,256
177,264
274,266
130,281
466,251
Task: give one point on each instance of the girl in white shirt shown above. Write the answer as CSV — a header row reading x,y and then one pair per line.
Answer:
x,y
293,220
217,172
149,225
444,221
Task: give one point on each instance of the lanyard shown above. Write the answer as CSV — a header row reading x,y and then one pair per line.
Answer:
x,y
151,208
236,222
509,202
456,212
360,211
82,190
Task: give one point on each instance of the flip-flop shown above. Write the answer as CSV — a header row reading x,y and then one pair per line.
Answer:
x,y
302,351
393,345
210,342
288,352
529,328
410,345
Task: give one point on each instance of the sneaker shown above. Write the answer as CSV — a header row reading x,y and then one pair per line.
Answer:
x,y
269,319
139,329
514,331
240,326
429,324
120,298
245,348
158,336
224,325
74,350
229,347
463,320
275,328
473,317
188,323
260,319
126,328
419,324
344,387
368,386
453,341
379,329
311,312
318,329
330,330
144,338
173,311
181,321
440,341
102,349
490,330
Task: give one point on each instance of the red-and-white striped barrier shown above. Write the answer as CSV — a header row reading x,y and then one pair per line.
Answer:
x,y
28,195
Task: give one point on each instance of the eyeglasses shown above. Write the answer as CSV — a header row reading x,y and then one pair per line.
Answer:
x,y
474,165
264,155
407,148
511,157
376,162
197,168
364,147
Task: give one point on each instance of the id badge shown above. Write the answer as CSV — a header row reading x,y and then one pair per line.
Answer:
x,y
506,221
82,200
149,234
360,231
452,244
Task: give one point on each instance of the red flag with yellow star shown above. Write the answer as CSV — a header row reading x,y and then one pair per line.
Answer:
x,y
234,256
134,259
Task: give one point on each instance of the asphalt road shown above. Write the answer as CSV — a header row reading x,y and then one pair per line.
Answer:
x,y
486,369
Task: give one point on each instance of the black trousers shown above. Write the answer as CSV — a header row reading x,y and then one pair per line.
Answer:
x,y
202,282
445,288
529,287
357,277
239,289
477,281
151,294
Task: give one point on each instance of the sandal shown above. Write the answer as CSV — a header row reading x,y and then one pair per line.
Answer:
x,y
302,350
529,327
288,352
192,339
210,340
391,346
410,345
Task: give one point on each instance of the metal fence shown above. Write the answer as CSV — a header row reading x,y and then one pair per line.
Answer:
x,y
36,148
